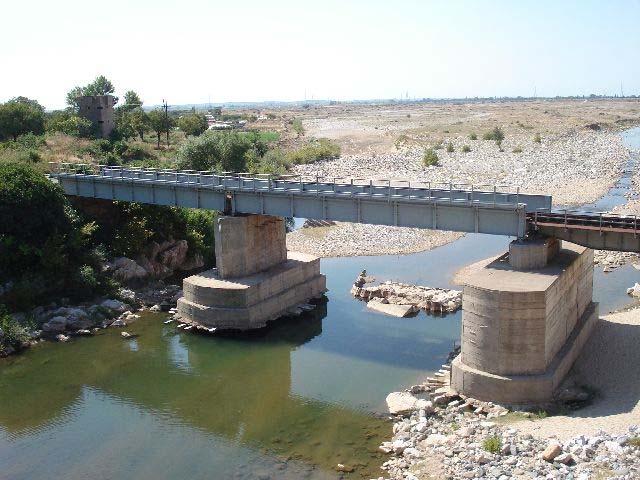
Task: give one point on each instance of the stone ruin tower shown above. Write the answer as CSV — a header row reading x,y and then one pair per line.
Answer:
x,y
99,110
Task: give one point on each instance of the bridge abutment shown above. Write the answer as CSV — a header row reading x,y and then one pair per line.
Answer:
x,y
255,280
526,317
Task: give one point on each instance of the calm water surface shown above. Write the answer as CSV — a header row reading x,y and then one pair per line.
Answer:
x,y
291,402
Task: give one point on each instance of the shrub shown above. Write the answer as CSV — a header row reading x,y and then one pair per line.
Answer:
x,y
496,134
69,124
430,157
466,149
320,149
492,444
12,332
473,136
438,145
634,442
537,138
518,149
297,126
450,148
220,151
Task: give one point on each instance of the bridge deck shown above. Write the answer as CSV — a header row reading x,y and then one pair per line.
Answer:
x,y
463,208
383,202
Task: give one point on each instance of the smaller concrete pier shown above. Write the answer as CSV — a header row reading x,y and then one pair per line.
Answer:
x,y
255,280
525,319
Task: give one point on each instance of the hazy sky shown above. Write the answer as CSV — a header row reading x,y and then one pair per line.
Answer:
x,y
193,51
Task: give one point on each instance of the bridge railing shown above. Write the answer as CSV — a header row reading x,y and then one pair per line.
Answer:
x,y
486,195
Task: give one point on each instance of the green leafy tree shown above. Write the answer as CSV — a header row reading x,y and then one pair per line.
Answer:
x,y
132,100
44,247
67,122
160,123
221,151
19,116
193,124
139,121
100,86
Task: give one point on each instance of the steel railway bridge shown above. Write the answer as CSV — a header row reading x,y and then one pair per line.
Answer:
x,y
463,208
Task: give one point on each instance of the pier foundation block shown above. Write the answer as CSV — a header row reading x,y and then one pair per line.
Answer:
x,y
255,279
523,328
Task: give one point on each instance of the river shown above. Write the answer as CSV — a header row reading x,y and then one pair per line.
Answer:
x,y
288,403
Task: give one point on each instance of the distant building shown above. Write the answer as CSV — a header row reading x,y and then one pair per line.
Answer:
x,y
99,110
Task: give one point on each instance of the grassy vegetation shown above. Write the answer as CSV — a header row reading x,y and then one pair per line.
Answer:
x,y
495,134
634,442
492,444
518,149
12,333
314,150
473,136
450,148
537,138
430,158
466,149
296,125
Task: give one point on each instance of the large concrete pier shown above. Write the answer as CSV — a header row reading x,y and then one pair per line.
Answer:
x,y
526,317
255,279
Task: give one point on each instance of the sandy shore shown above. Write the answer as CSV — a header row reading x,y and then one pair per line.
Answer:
x,y
609,364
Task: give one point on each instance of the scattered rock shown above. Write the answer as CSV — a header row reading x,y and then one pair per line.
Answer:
x,y
401,403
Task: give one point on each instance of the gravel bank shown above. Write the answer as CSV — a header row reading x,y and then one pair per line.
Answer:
x,y
609,365
576,167
355,239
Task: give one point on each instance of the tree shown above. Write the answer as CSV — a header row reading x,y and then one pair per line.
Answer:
x,y
72,97
131,101
135,120
100,86
19,116
160,122
68,122
193,124
44,247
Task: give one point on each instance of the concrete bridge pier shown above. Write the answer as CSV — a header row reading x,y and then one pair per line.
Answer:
x,y
255,280
525,319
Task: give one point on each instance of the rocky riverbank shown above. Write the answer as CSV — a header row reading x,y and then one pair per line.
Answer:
x,y
60,321
460,440
576,167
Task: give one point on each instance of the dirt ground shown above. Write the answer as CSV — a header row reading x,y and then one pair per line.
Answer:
x,y
382,128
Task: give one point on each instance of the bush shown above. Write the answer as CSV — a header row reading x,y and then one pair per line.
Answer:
x,y
466,149
450,148
537,138
220,151
12,332
69,124
473,136
320,149
430,157
492,444
496,134
296,124
518,149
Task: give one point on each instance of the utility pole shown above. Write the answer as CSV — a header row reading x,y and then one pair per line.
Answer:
x,y
165,107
